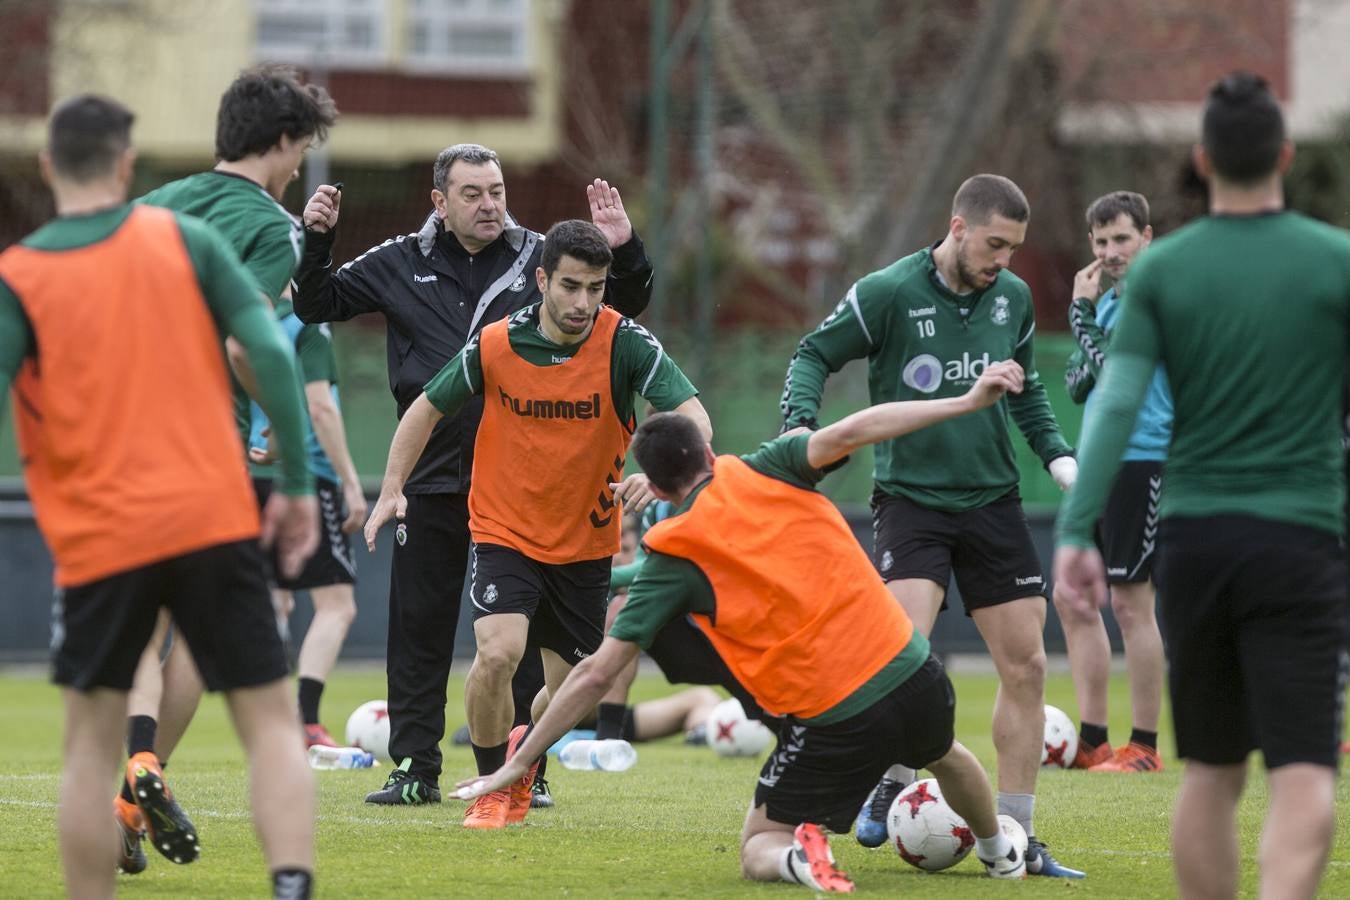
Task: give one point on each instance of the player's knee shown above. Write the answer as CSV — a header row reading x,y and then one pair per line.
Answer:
x,y
1025,672
345,609
496,660
1132,607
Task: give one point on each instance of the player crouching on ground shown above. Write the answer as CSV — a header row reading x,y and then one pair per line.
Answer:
x,y
768,569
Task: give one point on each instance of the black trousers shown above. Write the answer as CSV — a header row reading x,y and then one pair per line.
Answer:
x,y
431,555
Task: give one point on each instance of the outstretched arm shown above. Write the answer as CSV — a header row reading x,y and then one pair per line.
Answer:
x,y
890,420
629,286
578,696
693,409
414,430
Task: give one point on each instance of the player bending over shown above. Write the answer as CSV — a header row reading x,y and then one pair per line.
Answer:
x,y
768,569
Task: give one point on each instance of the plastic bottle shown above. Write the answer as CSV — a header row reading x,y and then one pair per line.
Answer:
x,y
340,758
607,755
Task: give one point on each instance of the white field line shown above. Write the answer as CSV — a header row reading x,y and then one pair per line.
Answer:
x,y
370,820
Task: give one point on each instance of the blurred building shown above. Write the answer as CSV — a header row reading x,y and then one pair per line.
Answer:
x,y
813,142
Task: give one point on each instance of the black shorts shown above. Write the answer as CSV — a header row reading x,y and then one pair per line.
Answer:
x,y
1127,533
565,603
822,774
1254,617
686,656
332,562
989,547
220,604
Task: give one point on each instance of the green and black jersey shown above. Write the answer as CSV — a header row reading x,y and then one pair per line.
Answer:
x,y
668,587
267,239
1251,317
639,365
923,341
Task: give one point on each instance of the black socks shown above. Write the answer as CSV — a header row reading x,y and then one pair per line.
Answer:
x,y
311,691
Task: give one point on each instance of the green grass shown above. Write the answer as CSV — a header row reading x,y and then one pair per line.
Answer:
x,y
668,827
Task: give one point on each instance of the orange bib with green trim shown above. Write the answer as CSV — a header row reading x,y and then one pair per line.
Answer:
x,y
802,618
124,418
550,444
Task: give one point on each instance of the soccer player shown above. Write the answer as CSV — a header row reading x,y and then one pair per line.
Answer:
x,y
1248,309
330,574
558,381
946,497
266,120
771,573
138,480
468,266
1119,230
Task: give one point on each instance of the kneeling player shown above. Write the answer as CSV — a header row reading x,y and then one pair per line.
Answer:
x,y
792,605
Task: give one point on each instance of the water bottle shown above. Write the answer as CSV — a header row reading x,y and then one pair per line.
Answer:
x,y
340,758
607,755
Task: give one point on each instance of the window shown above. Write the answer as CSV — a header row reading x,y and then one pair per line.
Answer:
x,y
471,37
346,33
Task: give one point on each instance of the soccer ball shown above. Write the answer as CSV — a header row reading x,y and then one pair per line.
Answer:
x,y
1061,739
730,733
1014,830
368,728
926,832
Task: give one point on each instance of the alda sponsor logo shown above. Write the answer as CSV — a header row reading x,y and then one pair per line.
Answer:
x,y
552,409
925,373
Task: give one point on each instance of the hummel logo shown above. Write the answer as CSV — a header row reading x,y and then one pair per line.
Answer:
x,y
1034,579
422,279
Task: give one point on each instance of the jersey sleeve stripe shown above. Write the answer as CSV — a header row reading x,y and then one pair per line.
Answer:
x,y
1084,339
471,347
393,240
852,299
651,339
1026,337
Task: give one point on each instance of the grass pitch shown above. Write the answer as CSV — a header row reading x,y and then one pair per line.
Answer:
x,y
667,827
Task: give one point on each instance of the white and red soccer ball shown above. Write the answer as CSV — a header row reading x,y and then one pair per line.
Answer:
x,y
368,728
1061,739
730,733
925,831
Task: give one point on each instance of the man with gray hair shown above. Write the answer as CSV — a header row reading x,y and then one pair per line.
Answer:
x,y
469,265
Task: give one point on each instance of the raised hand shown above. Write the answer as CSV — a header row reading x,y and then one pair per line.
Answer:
x,y
321,212
1088,282
608,214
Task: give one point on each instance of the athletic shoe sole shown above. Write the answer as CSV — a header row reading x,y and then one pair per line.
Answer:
x,y
171,832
